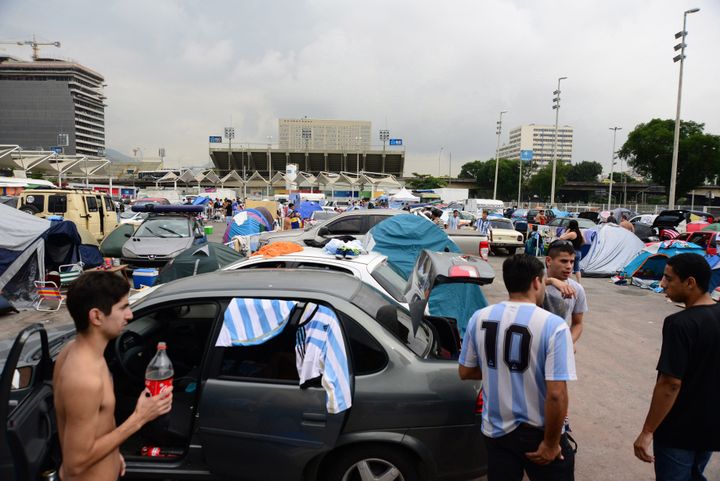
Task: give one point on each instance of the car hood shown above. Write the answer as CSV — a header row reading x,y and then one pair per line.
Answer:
x,y
291,236
156,246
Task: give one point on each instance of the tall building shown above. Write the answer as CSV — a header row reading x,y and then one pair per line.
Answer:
x,y
315,134
540,139
42,99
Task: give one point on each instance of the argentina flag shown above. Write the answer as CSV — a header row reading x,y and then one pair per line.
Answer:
x,y
249,322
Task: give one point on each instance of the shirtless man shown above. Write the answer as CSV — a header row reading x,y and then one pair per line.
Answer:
x,y
83,389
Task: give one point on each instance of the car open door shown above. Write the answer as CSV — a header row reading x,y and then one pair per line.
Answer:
x,y
435,268
255,421
29,432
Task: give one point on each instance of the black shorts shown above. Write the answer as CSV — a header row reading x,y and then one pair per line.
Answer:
x,y
507,460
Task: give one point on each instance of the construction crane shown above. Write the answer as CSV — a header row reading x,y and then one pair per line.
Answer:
x,y
33,43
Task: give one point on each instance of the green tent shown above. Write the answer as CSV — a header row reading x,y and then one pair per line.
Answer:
x,y
112,244
198,260
712,227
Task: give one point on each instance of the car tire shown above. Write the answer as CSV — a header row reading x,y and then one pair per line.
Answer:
x,y
29,209
375,460
511,251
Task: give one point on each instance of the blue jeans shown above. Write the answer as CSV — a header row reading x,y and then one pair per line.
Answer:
x,y
672,464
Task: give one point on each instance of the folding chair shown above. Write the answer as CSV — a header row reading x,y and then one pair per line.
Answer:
x,y
69,272
48,293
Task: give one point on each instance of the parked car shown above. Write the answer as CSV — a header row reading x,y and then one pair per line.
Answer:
x,y
643,218
239,412
590,215
669,220
319,216
132,218
708,240
504,236
151,200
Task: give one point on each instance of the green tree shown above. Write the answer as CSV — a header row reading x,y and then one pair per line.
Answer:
x,y
649,148
540,183
484,175
470,170
584,171
425,181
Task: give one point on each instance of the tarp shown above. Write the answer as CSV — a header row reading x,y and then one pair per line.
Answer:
x,y
650,262
198,260
714,262
404,195
611,248
200,200
401,238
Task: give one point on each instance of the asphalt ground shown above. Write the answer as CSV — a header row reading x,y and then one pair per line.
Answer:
x,y
616,358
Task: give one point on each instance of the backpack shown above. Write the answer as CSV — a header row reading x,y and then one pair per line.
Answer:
x,y
534,245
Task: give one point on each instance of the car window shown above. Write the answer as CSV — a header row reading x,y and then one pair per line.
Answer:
x,y
347,225
366,353
265,265
586,224
57,204
322,267
501,224
38,201
370,300
109,204
92,205
555,222
390,280
376,219
165,227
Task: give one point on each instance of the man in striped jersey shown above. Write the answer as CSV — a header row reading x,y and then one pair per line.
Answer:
x,y
524,356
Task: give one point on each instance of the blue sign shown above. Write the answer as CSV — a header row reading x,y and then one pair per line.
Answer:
x,y
215,139
57,150
395,141
526,155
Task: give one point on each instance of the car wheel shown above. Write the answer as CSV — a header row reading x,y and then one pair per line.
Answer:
x,y
29,209
511,251
370,463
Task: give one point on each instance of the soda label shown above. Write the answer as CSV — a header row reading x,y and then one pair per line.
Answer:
x,y
157,386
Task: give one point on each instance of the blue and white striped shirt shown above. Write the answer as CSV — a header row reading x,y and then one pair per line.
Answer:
x,y
518,346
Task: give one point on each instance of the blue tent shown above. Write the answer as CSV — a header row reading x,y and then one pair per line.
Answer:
x,y
650,262
200,200
401,238
714,262
307,208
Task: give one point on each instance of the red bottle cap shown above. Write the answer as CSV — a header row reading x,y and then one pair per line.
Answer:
x,y
161,346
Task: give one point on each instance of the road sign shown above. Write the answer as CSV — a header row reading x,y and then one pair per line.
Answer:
x,y
396,142
526,155
215,139
57,150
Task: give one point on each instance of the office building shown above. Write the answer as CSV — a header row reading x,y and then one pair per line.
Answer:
x,y
315,134
43,99
540,139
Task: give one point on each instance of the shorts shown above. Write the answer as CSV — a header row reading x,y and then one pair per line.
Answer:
x,y
576,265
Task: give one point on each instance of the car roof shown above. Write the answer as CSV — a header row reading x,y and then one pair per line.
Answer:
x,y
314,254
275,281
355,212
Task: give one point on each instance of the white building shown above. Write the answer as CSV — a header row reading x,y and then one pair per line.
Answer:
x,y
348,135
540,139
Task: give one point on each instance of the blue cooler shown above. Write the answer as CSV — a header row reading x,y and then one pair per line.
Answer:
x,y
144,277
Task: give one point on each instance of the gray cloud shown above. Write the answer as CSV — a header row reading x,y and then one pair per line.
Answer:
x,y
434,74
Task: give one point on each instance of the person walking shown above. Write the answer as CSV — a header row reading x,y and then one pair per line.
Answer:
x,y
524,356
454,220
83,388
683,421
483,224
574,235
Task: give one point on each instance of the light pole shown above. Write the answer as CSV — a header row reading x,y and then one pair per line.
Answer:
x,y
676,139
439,158
358,140
612,164
384,137
498,131
306,136
229,134
269,155
161,153
556,107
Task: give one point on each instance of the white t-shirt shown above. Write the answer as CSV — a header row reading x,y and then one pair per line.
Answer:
x,y
565,307
518,346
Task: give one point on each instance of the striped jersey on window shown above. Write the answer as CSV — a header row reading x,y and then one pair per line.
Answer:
x,y
249,322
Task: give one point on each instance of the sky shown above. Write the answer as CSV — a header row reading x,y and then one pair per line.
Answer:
x,y
436,74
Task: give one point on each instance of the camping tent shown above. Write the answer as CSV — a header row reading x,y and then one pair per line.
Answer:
x,y
402,238
30,245
198,260
246,222
611,248
714,262
307,208
404,195
649,264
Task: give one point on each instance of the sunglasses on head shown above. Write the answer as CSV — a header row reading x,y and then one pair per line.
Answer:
x,y
559,242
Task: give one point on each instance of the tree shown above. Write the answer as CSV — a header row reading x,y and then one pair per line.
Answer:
x,y
585,171
649,148
540,183
484,175
425,181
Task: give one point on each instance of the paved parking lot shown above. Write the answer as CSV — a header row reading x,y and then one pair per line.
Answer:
x,y
616,369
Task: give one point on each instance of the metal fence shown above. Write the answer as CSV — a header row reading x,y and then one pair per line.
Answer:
x,y
639,208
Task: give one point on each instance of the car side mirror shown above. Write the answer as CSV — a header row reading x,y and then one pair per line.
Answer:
x,y
22,377
128,235
323,231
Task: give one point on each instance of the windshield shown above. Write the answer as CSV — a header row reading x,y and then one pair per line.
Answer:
x,y
164,227
501,224
370,300
393,283
586,223
128,214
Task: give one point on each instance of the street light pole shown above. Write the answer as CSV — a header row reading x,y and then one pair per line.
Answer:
x,y
497,152
556,107
612,164
676,139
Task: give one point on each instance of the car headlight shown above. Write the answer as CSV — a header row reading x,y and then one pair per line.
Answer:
x,y
519,238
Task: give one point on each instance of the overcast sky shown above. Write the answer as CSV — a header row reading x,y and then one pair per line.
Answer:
x,y
436,74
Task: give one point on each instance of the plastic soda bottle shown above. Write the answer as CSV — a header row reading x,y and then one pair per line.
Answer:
x,y
159,373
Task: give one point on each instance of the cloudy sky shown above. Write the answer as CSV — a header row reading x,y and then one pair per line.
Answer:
x,y
436,74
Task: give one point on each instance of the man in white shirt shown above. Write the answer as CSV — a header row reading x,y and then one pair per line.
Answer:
x,y
524,356
483,224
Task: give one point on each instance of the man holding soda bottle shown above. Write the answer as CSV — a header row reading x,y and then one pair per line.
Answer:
x,y
83,389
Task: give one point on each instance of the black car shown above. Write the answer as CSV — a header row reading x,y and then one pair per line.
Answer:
x,y
239,411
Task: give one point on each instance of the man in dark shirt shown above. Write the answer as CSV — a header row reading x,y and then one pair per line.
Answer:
x,y
683,422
